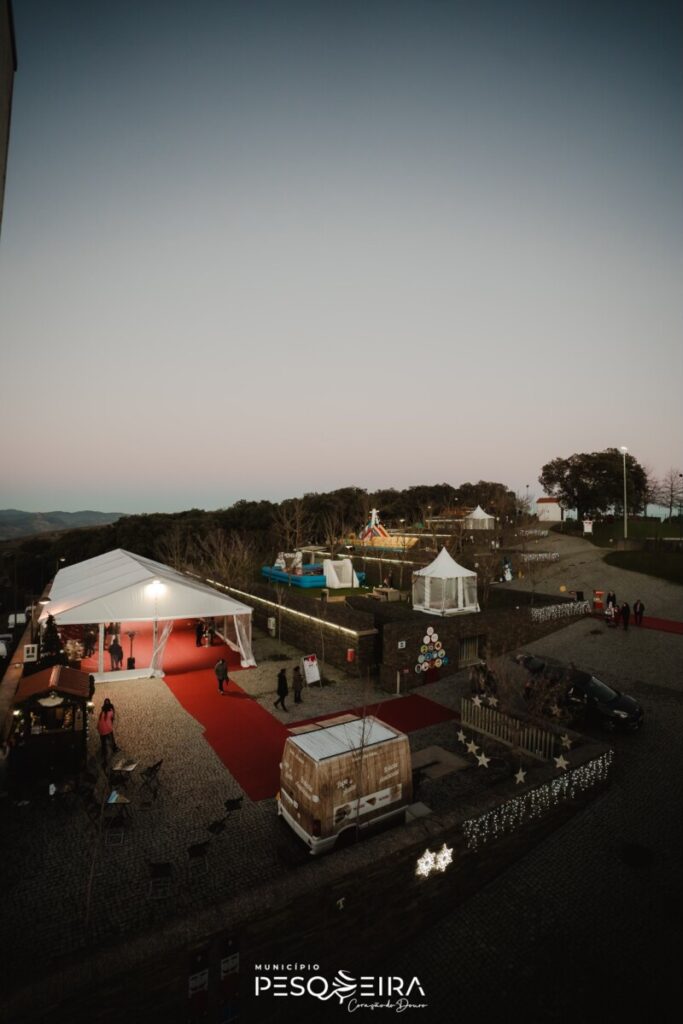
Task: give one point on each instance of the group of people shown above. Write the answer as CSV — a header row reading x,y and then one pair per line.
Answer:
x,y
283,687
621,613
204,631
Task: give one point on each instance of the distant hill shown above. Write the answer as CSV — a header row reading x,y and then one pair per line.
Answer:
x,y
15,523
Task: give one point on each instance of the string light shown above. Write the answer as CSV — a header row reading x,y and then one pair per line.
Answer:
x,y
514,813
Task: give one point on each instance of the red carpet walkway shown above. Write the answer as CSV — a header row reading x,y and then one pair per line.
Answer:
x,y
665,625
249,740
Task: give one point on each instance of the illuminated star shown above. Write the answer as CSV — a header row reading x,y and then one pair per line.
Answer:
x,y
426,864
444,857
555,711
483,760
561,763
566,742
520,776
476,701
493,701
472,747
461,736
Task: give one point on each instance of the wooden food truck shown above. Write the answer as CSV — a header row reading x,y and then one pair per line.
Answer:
x,y
335,778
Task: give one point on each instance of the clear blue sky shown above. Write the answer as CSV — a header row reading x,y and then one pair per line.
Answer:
x,y
254,249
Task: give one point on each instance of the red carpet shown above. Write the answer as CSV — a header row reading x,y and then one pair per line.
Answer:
x,y
249,740
181,654
665,625
404,713
246,737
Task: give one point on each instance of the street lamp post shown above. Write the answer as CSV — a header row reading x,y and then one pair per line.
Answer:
x,y
623,449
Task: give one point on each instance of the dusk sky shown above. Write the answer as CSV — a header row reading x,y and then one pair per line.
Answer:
x,y
255,249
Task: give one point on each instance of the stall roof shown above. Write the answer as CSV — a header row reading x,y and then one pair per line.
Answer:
x,y
123,587
59,678
340,739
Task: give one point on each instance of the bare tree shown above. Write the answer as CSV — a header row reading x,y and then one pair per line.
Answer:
x,y
292,523
334,530
230,556
176,547
671,489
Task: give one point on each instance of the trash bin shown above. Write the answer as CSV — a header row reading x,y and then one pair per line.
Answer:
x,y
130,664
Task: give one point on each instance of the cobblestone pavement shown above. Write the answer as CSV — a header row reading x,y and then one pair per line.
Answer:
x,y
587,927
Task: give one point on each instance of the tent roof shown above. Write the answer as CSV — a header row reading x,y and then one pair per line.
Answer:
x,y
58,679
117,587
479,514
444,567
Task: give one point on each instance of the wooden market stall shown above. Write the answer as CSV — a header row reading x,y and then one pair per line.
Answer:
x,y
49,733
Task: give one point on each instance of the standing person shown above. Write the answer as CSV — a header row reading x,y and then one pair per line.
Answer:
x,y
210,632
221,670
116,654
297,684
105,727
611,600
198,633
282,689
638,611
91,687
625,614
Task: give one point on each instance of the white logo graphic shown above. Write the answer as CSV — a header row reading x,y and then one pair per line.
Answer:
x,y
389,993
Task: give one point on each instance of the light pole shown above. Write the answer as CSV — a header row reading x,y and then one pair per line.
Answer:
x,y
623,449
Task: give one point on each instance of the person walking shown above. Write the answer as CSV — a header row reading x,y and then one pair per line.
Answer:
x,y
221,670
105,727
625,614
116,654
297,684
638,611
198,633
282,689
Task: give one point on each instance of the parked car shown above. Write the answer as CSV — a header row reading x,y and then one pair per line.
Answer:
x,y
587,696
582,694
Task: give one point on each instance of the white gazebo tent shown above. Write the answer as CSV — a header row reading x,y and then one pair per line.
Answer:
x,y
122,587
445,588
479,520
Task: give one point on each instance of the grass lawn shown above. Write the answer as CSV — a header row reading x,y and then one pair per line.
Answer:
x,y
666,565
607,533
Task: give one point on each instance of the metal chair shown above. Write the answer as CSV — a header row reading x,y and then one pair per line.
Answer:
x,y
233,804
217,826
197,863
150,779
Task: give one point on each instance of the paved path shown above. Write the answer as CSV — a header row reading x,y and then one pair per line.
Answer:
x,y
581,567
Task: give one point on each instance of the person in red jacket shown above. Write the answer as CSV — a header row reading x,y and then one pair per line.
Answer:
x,y
105,727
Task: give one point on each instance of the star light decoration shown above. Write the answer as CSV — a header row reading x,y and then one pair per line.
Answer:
x,y
476,701
483,760
472,747
493,701
566,742
520,776
537,802
430,862
461,736
561,762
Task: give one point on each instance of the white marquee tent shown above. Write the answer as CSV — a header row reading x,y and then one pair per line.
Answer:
x,y
445,588
479,520
122,587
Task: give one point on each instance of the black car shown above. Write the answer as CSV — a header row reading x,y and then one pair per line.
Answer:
x,y
583,695
587,696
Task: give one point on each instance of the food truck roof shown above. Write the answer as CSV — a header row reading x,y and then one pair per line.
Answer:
x,y
340,739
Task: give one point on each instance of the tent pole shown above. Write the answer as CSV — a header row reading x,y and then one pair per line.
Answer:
x,y
100,648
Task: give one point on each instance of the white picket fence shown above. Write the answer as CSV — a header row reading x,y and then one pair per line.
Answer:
x,y
533,533
540,556
532,739
560,611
